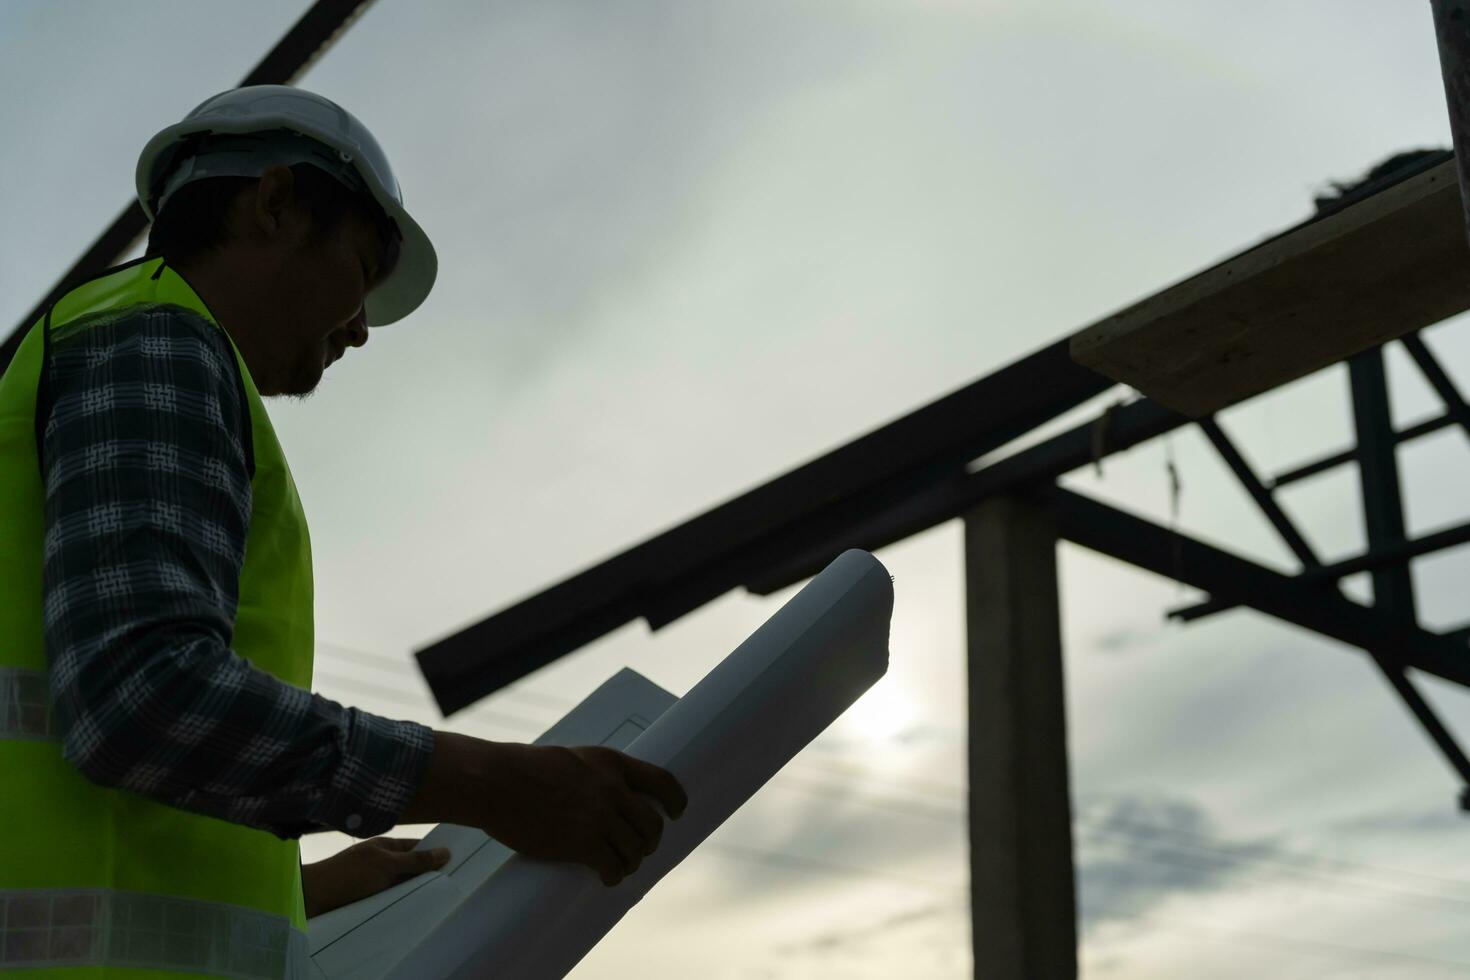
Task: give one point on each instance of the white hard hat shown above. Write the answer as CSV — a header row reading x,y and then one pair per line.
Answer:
x,y
289,125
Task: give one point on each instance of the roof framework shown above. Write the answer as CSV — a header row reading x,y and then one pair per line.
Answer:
x,y
913,473
1331,289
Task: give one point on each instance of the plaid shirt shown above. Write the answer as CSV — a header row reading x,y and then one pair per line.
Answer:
x,y
148,502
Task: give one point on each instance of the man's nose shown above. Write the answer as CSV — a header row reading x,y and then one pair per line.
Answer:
x,y
357,330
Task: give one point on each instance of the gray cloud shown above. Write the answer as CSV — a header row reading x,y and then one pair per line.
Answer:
x,y
1136,852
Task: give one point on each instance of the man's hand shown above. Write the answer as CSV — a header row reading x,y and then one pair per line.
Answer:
x,y
364,869
588,804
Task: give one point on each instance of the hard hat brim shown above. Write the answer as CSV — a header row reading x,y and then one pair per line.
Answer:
x,y
411,279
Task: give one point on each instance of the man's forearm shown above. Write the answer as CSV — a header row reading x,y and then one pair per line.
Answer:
x,y
316,889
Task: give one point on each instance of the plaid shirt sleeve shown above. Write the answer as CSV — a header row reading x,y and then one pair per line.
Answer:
x,y
147,482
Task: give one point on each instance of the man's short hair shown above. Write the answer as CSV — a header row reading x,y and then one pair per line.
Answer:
x,y
192,222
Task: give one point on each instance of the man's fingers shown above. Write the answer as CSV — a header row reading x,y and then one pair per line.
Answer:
x,y
645,820
657,783
609,865
626,841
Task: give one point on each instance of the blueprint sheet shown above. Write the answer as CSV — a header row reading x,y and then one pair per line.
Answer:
x,y
491,913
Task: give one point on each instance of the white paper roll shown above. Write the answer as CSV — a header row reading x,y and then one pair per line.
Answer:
x,y
535,920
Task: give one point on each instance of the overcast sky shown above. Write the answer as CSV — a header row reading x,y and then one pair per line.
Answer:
x,y
685,247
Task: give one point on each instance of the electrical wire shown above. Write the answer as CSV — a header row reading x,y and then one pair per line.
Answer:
x,y
1136,832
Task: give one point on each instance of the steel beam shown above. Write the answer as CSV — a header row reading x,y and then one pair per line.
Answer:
x,y
1126,426
1383,509
302,45
682,569
1155,549
537,631
1454,404
1259,494
1391,643
1351,455
1368,561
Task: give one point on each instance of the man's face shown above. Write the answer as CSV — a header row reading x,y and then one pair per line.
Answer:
x,y
309,293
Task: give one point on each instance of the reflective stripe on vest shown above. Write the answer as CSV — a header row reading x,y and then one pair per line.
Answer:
x,y
25,707
77,927
62,834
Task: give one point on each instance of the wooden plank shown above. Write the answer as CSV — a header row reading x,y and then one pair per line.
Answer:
x,y
1327,289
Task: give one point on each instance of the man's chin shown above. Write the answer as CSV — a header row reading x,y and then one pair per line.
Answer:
x,y
304,385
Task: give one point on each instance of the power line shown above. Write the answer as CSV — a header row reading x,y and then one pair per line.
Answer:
x,y
1295,862
364,687
398,697
352,653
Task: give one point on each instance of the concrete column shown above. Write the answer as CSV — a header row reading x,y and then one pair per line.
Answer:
x,y
1023,899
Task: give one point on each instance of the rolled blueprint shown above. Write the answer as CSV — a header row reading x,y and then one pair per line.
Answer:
x,y
535,920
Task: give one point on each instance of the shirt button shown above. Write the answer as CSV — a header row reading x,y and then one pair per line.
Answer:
x,y
354,821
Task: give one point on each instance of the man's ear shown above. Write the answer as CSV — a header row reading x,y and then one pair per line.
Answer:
x,y
274,211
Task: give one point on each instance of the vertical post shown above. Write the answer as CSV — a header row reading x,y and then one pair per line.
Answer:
x,y
1383,509
1452,30
1023,898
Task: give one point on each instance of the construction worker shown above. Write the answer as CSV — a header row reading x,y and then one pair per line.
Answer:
x,y
161,748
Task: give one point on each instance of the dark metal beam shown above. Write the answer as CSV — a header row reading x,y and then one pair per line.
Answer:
x,y
1393,645
1366,562
1263,498
783,558
1131,425
1391,555
1455,406
1126,426
1383,509
1351,455
302,45
1374,558
1176,555
679,570
1199,610
1313,468
1259,494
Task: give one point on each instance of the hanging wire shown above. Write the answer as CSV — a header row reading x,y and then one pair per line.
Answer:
x,y
1176,486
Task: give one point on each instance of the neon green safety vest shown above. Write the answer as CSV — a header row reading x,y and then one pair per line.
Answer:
x,y
98,882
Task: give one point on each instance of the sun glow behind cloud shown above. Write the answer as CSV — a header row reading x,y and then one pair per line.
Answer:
x,y
884,712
